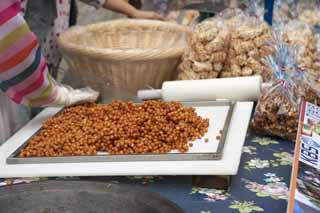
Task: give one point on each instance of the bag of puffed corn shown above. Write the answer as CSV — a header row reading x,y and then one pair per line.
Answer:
x,y
207,52
277,110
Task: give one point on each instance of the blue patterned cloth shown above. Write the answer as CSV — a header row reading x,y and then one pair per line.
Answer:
x,y
262,184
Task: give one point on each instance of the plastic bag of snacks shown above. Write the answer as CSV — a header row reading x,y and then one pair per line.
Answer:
x,y
308,11
249,43
229,45
304,10
311,17
308,86
300,34
284,11
208,48
297,29
277,110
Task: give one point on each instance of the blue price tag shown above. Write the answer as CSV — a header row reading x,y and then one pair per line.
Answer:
x,y
309,153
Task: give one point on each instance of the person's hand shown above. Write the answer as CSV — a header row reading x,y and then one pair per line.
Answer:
x,y
67,96
140,14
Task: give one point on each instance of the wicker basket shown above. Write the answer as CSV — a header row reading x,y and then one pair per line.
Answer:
x,y
125,54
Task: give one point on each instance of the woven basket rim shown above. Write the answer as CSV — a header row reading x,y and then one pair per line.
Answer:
x,y
133,54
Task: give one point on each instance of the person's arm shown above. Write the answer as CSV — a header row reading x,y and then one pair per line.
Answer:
x,y
124,7
24,75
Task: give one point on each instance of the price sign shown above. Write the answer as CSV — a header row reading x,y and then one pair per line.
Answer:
x,y
309,152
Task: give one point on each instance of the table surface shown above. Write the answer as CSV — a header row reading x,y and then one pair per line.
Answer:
x,y
261,185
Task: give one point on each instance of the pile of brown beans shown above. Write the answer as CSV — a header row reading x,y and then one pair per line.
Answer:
x,y
118,128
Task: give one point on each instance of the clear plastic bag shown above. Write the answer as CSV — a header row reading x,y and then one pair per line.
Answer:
x,y
308,11
231,44
67,96
288,10
284,11
299,34
255,8
277,110
303,10
208,48
296,21
249,43
308,86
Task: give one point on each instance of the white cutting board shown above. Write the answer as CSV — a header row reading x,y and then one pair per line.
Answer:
x,y
217,118
228,165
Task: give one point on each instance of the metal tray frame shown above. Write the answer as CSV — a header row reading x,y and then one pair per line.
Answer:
x,y
13,159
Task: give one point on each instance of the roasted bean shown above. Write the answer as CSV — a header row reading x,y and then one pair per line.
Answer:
x,y
118,128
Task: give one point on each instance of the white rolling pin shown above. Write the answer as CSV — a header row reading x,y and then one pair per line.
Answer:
x,y
234,89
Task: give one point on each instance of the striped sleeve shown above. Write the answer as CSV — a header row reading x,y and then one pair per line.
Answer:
x,y
24,75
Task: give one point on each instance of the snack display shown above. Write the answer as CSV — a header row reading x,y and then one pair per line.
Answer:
x,y
207,52
118,128
277,110
300,34
276,115
249,43
296,21
308,86
311,17
284,11
308,11
229,45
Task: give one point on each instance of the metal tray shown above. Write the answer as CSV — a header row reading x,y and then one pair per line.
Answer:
x,y
14,159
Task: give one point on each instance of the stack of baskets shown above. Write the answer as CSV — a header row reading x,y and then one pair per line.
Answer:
x,y
125,54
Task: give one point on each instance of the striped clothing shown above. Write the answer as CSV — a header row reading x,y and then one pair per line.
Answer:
x,y
24,74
